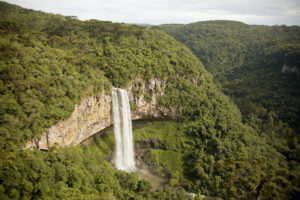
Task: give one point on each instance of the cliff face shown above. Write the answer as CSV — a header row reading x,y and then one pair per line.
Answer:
x,y
145,97
94,114
289,69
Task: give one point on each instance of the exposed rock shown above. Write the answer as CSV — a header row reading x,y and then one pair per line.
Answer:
x,y
149,108
88,118
94,114
190,195
289,69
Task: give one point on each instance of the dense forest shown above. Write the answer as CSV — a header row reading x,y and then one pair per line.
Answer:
x,y
51,62
258,66
249,61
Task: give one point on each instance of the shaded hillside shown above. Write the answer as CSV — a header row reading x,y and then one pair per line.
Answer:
x,y
49,63
247,60
259,67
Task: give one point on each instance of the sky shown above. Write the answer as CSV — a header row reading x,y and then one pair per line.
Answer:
x,y
266,12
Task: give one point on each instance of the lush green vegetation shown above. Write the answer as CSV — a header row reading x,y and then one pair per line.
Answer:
x,y
218,137
48,64
235,165
247,62
80,172
161,145
51,62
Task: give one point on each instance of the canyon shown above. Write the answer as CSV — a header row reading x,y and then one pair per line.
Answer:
x,y
94,114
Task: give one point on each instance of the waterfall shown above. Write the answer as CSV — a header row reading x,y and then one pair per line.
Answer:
x,y
124,155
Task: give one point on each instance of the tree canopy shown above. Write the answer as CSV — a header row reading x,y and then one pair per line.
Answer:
x,y
49,63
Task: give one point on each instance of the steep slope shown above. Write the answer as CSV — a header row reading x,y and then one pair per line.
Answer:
x,y
49,63
251,62
259,67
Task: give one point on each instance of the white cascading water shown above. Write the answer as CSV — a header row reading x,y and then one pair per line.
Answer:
x,y
124,155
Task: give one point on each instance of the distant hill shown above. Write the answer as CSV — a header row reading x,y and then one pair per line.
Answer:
x,y
144,25
256,65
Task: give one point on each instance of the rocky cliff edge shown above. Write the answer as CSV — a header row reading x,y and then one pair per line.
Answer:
x,y
94,114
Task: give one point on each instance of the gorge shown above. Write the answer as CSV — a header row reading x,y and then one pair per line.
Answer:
x,y
56,79
94,114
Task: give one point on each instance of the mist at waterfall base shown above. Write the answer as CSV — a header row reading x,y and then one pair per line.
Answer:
x,y
124,152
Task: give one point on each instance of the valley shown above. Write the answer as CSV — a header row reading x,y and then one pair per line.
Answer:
x,y
214,108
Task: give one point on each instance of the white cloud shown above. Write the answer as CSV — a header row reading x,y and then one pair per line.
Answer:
x,y
268,12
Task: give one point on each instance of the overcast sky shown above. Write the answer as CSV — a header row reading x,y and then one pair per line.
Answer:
x,y
268,12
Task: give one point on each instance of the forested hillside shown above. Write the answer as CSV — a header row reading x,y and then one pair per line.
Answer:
x,y
248,61
55,61
258,66
50,62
